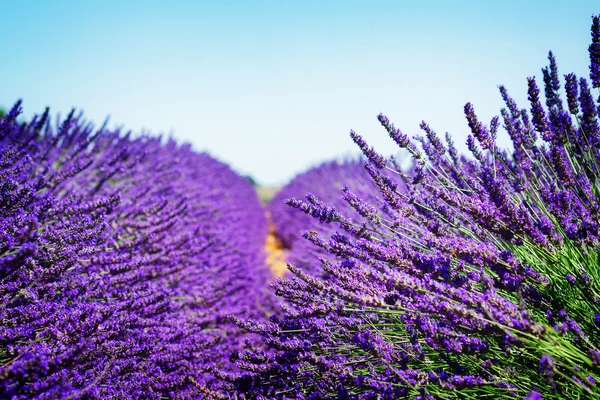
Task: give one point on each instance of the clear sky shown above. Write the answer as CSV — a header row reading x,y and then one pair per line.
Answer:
x,y
273,87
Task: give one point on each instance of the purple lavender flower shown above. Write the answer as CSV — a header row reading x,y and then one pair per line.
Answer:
x,y
572,93
547,365
533,395
594,51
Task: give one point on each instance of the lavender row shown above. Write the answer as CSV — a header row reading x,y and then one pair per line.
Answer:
x,y
480,279
336,183
121,259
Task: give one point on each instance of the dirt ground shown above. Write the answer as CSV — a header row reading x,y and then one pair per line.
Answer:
x,y
273,246
275,253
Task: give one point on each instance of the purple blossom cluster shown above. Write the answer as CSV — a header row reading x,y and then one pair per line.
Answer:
x,y
471,278
344,184
121,259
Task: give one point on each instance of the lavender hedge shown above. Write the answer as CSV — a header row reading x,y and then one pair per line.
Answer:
x,y
480,281
334,182
120,261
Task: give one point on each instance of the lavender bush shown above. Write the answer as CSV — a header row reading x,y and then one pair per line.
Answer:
x,y
480,281
120,260
327,183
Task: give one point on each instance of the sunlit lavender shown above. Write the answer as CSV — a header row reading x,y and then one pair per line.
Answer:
x,y
345,184
477,280
134,267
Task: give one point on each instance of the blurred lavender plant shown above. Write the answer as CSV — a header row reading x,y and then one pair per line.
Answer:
x,y
480,281
325,183
120,260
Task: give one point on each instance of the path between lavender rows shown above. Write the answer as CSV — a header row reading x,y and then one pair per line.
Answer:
x,y
274,248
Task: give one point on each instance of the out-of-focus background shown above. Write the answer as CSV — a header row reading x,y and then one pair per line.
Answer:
x,y
273,87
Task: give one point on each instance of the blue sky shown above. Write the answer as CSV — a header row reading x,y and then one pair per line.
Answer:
x,y
273,87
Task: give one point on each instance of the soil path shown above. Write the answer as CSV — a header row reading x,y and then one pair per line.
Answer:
x,y
275,250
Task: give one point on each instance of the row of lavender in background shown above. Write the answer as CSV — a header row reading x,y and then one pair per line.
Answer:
x,y
472,278
120,261
326,183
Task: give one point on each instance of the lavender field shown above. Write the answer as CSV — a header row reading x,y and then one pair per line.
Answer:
x,y
134,267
